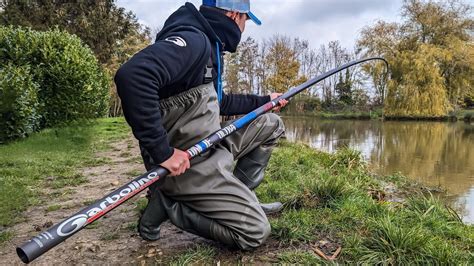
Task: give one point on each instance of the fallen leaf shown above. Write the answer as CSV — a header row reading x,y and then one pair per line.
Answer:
x,y
336,253
319,252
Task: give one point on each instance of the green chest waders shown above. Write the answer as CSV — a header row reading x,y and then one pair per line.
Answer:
x,y
208,200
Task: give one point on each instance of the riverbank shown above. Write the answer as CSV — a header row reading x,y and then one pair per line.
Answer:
x,y
352,115
333,207
461,115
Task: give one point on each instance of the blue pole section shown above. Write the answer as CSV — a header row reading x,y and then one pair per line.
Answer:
x,y
59,232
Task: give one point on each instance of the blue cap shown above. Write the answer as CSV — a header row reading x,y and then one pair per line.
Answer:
x,y
241,6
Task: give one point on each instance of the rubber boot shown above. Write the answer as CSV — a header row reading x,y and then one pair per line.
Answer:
x,y
269,208
152,217
250,169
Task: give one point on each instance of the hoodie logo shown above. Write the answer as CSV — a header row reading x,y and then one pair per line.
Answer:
x,y
177,40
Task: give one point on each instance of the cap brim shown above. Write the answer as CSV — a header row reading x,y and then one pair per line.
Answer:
x,y
254,18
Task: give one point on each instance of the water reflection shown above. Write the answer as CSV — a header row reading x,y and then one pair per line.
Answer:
x,y
436,153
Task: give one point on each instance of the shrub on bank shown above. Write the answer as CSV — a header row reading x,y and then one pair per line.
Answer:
x,y
69,82
18,102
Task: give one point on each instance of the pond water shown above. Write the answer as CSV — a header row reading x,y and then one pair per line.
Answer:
x,y
435,153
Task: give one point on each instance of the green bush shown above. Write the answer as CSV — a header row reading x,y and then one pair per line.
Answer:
x,y
18,102
71,83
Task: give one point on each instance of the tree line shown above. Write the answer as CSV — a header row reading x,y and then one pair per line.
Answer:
x,y
430,52
431,56
279,63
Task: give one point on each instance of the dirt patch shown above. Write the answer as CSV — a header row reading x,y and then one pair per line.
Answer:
x,y
112,239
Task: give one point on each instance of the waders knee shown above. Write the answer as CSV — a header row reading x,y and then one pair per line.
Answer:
x,y
250,169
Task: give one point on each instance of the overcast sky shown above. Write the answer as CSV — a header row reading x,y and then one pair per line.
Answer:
x,y
318,21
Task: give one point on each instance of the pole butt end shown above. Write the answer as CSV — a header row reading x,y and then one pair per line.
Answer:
x,y
22,255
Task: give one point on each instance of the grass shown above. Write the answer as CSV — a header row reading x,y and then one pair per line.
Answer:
x,y
53,208
5,236
132,226
50,158
97,162
198,255
331,196
141,204
94,225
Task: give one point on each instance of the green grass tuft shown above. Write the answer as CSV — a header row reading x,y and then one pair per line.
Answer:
x,y
68,181
97,162
199,255
391,243
295,226
141,204
52,208
109,236
94,225
132,226
5,236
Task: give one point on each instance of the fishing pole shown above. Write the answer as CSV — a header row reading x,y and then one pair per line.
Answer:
x,y
43,242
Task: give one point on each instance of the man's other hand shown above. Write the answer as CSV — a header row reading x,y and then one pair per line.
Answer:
x,y
282,102
178,163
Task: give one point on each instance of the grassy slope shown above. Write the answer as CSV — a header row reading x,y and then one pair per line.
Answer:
x,y
334,195
49,159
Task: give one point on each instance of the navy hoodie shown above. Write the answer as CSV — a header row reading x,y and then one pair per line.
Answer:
x,y
176,62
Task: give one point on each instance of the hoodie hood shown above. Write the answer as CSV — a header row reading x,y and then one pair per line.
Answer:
x,y
225,28
217,27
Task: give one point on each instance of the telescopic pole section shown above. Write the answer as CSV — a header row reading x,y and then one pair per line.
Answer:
x,y
43,242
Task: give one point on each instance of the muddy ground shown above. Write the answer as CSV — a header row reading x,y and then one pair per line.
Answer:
x,y
113,239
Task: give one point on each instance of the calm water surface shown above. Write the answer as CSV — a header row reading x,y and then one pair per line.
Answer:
x,y
435,153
